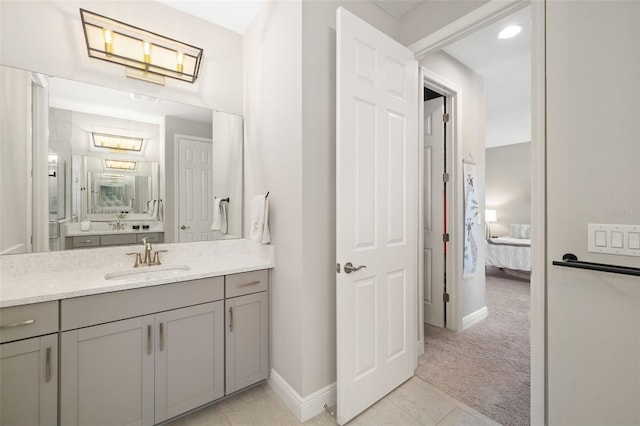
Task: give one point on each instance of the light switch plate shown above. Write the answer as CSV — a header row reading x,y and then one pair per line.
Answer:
x,y
614,239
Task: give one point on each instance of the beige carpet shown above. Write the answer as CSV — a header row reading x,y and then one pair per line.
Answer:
x,y
487,365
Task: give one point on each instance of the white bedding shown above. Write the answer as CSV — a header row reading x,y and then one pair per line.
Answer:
x,y
509,253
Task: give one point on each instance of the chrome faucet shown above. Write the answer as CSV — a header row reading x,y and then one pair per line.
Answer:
x,y
150,258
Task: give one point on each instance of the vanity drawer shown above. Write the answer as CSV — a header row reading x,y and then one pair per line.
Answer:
x,y
246,283
118,239
86,241
21,322
152,237
86,311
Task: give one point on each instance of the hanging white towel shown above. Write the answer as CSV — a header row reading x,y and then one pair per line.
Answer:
x,y
220,222
260,219
153,211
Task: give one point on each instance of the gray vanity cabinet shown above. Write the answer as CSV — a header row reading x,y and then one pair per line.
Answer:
x,y
29,364
107,374
146,369
29,381
247,327
116,373
189,359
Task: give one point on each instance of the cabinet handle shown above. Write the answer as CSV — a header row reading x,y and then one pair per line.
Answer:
x,y
162,336
231,318
47,366
149,340
247,284
19,324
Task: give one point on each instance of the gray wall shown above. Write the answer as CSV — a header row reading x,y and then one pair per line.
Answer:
x,y
593,168
289,80
473,142
508,189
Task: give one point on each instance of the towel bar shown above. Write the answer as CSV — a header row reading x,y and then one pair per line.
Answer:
x,y
571,260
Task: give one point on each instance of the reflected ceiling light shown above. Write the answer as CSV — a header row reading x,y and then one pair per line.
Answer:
x,y
148,56
510,31
120,164
116,142
112,175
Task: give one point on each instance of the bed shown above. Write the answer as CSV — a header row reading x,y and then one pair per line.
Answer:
x,y
512,252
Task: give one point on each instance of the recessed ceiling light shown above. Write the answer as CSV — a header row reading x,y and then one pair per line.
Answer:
x,y
510,31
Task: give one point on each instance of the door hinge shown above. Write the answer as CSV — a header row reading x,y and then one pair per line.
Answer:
x,y
338,268
445,177
445,117
445,297
445,238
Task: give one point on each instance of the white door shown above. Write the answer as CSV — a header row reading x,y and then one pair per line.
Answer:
x,y
195,196
376,214
434,161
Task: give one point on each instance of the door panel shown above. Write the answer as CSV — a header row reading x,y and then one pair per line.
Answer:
x,y
189,361
434,161
107,374
376,213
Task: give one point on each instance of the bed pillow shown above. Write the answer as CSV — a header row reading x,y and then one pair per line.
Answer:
x,y
520,231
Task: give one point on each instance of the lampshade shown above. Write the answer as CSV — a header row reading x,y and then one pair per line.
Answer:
x,y
490,216
148,56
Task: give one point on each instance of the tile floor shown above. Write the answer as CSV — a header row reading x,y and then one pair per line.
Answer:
x,y
416,402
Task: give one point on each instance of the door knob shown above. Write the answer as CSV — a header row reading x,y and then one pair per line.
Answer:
x,y
349,268
183,227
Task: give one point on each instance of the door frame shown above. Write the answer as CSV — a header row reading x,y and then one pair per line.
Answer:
x,y
453,98
176,180
483,15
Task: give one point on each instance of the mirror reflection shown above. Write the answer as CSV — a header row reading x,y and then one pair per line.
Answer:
x,y
111,167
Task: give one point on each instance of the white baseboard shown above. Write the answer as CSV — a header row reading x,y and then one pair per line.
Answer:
x,y
475,317
303,408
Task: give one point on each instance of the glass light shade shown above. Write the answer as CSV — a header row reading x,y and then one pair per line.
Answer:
x,y
120,164
138,49
116,142
490,216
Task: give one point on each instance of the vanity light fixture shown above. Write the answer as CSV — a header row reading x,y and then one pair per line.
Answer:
x,y
147,56
116,143
120,164
510,31
112,175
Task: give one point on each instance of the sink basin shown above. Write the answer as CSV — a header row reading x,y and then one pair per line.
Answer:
x,y
147,272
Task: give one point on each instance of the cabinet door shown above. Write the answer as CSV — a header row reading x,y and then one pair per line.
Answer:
x,y
29,381
107,374
189,358
247,342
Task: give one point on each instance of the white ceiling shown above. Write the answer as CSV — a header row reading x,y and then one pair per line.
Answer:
x,y
397,8
234,15
505,66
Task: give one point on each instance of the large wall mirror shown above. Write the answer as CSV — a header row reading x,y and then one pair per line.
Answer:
x,y
87,166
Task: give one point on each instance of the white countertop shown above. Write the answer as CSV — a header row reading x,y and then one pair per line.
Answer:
x,y
42,277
